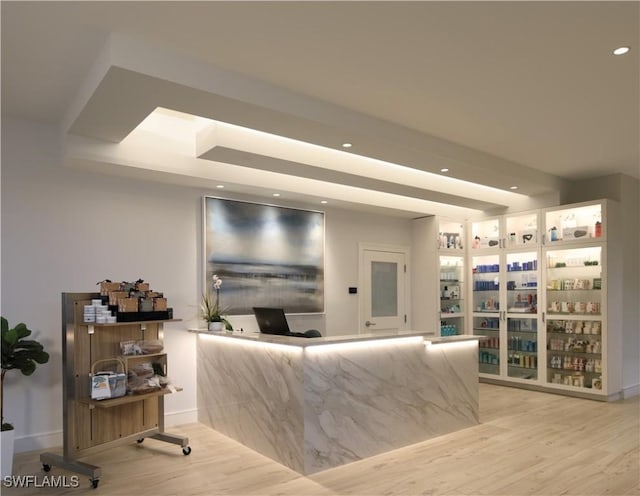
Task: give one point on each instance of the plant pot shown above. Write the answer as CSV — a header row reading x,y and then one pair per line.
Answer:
x,y
216,326
7,452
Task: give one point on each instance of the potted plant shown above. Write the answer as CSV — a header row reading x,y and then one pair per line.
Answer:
x,y
20,354
210,309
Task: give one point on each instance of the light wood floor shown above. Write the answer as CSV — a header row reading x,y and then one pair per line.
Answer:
x,y
528,443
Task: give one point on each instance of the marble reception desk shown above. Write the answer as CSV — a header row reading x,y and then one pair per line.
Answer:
x,y
314,404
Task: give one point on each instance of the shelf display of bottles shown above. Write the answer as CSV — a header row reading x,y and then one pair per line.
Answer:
x,y
576,223
450,235
448,328
522,357
451,295
489,348
486,300
522,310
522,283
486,283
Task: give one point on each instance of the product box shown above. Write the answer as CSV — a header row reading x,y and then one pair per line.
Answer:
x,y
114,296
107,286
159,304
575,232
107,385
128,305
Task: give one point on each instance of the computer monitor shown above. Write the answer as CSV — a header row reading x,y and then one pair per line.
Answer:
x,y
271,320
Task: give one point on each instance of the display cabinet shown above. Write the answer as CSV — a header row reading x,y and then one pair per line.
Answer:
x,y
452,290
487,316
451,267
522,314
544,289
575,317
439,303
505,297
583,299
90,425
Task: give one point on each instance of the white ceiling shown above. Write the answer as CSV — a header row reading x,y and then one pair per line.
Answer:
x,y
498,91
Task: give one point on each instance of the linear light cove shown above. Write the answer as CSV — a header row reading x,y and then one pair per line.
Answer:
x,y
383,343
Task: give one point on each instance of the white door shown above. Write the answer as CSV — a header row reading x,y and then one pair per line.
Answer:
x,y
383,295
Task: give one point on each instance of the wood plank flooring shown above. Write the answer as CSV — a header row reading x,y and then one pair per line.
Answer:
x,y
528,443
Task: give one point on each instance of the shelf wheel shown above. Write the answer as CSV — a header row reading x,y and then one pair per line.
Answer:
x,y
186,451
141,440
94,483
46,467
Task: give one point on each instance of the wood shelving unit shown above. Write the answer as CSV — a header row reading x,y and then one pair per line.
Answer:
x,y
91,426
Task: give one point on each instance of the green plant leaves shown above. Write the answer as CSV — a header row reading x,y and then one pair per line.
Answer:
x,y
19,353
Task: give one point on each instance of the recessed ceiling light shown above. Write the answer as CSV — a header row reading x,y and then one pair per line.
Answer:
x,y
444,169
621,50
324,202
513,187
347,145
220,186
276,194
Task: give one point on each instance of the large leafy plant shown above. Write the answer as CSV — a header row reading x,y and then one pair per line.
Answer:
x,y
20,354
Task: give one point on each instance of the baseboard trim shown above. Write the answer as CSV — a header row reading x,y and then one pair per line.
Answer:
x,y
542,389
48,440
36,442
631,391
174,419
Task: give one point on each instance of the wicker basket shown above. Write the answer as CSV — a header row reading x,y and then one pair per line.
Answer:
x,y
108,384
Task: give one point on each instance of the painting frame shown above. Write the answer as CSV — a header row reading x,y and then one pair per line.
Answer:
x,y
266,255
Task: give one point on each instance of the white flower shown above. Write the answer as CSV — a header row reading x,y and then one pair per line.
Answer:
x,y
217,282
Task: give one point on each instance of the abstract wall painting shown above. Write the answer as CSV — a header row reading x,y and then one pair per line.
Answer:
x,y
266,255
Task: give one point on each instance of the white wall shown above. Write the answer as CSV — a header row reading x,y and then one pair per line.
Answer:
x,y
65,229
630,222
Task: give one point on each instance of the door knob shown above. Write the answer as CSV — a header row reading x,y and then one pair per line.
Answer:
x,y
368,323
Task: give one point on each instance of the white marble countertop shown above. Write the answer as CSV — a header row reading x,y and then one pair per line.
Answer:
x,y
345,338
